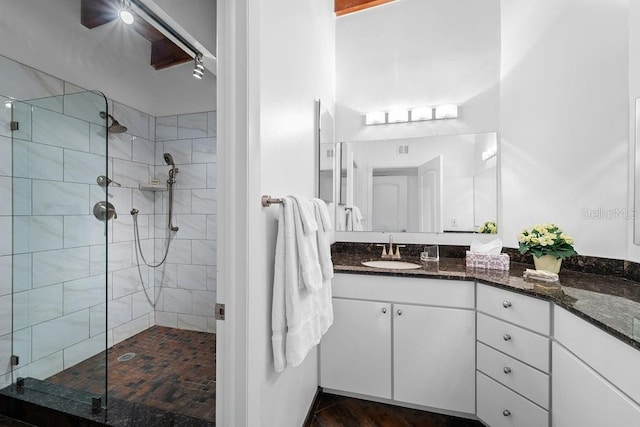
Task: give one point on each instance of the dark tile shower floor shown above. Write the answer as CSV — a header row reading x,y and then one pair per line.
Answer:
x,y
173,370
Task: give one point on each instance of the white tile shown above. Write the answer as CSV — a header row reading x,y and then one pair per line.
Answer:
x,y
59,130
143,151
83,167
204,201
192,126
119,257
127,281
204,303
192,323
21,272
212,123
166,319
53,103
212,227
123,230
97,319
192,176
211,325
205,150
191,226
21,196
166,128
37,306
180,150
179,251
98,140
212,175
37,161
5,314
82,351
6,185
167,275
6,241
85,106
152,128
181,201
144,200
22,82
37,233
137,122
120,198
120,146
5,116
6,159
212,277
131,328
178,301
119,311
84,293
140,305
60,265
130,174
60,198
5,279
71,88
22,344
22,112
55,335
45,367
82,230
204,252
192,277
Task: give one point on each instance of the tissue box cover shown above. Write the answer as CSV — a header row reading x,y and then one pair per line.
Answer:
x,y
489,262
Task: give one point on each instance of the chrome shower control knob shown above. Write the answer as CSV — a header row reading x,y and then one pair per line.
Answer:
x,y
506,304
506,412
384,311
507,370
506,337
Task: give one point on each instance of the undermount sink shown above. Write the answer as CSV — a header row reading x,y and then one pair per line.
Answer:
x,y
393,265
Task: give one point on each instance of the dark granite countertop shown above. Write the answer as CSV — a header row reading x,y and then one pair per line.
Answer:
x,y
611,303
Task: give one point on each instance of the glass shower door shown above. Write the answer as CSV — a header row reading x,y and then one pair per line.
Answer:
x,y
60,228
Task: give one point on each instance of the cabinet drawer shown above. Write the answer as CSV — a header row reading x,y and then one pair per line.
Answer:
x,y
525,311
500,407
410,290
519,343
529,382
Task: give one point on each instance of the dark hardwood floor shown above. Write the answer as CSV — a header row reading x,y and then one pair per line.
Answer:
x,y
331,410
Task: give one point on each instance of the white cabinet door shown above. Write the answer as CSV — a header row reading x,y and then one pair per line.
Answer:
x,y
583,398
355,354
434,357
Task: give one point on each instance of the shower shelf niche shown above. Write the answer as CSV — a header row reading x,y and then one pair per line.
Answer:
x,y
153,187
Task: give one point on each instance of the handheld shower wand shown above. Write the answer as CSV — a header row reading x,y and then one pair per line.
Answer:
x,y
168,158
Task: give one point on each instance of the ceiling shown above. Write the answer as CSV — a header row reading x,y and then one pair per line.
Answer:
x,y
164,53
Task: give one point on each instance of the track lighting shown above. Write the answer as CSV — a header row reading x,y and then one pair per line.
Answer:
x,y
125,13
198,69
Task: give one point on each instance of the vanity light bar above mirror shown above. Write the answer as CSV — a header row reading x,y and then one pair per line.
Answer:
x,y
449,111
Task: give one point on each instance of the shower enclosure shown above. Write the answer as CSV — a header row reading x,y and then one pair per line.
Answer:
x,y
61,223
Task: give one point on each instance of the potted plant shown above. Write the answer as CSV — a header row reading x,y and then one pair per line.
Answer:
x,y
488,227
548,244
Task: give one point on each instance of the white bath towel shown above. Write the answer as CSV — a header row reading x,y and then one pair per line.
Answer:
x,y
299,318
324,240
306,228
354,219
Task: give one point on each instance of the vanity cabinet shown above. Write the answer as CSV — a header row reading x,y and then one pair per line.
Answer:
x,y
513,365
407,339
596,377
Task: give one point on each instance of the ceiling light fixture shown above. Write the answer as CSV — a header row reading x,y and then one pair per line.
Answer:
x,y
125,13
198,69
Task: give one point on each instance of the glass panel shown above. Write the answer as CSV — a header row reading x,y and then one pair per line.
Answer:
x,y
59,251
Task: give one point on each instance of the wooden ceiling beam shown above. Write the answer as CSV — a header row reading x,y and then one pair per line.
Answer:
x,y
342,7
94,13
165,54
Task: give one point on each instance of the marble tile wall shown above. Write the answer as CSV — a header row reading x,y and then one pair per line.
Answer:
x,y
186,285
57,259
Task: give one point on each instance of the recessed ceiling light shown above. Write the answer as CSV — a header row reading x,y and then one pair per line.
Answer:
x,y
125,13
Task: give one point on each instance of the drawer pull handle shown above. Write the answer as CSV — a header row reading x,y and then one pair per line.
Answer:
x,y
506,337
506,412
506,304
507,370
384,311
399,312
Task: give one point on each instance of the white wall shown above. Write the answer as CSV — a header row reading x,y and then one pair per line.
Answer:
x,y
415,53
48,36
634,92
564,120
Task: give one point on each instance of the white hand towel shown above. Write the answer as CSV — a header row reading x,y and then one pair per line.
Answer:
x,y
307,245
284,252
324,241
357,218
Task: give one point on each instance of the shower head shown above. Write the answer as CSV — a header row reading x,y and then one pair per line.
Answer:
x,y
115,126
169,160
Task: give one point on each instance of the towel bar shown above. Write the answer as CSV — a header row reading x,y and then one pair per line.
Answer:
x,y
268,201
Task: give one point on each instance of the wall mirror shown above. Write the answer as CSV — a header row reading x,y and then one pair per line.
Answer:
x,y
436,184
636,217
326,152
